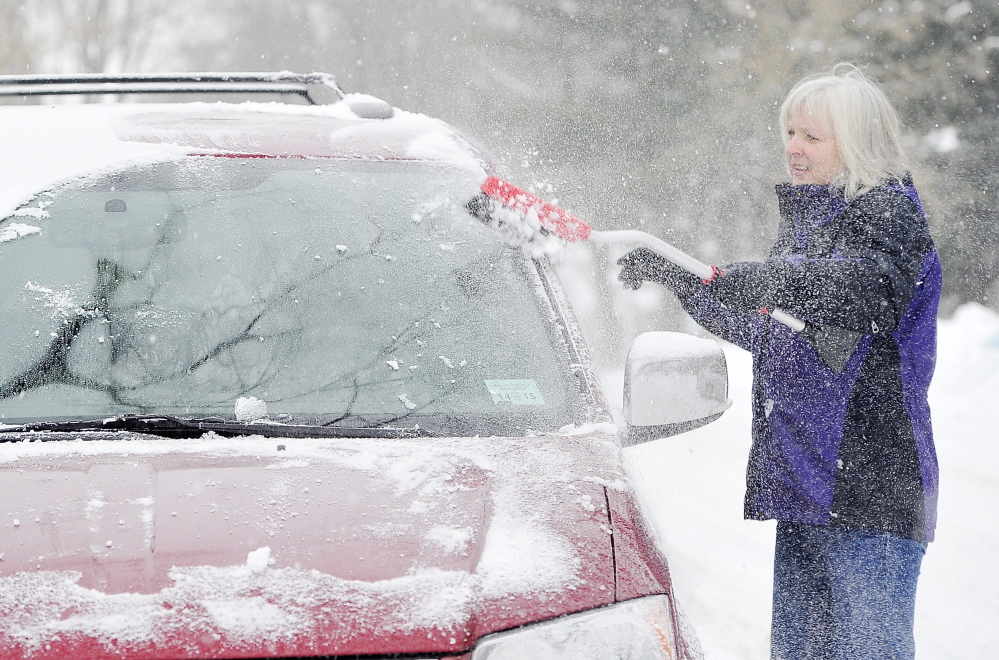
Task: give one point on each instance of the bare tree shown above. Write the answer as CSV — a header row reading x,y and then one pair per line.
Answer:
x,y
101,36
15,44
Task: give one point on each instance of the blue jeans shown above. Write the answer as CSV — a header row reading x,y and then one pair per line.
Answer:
x,y
843,594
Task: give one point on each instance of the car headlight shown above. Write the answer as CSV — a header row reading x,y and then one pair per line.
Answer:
x,y
640,629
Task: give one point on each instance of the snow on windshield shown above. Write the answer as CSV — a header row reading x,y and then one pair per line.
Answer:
x,y
330,290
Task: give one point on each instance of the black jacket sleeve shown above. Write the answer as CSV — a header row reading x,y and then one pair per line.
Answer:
x,y
868,285
864,286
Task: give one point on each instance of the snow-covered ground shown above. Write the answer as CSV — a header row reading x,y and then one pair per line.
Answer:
x,y
691,487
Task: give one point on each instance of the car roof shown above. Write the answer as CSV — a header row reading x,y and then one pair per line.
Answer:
x,y
272,129
45,145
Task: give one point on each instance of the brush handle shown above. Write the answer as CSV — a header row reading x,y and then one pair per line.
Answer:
x,y
657,245
681,259
780,315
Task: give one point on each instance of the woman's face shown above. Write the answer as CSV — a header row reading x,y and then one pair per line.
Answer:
x,y
812,156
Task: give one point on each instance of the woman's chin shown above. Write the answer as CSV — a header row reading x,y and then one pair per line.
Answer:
x,y
808,179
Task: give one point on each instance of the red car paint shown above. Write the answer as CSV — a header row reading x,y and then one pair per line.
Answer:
x,y
125,520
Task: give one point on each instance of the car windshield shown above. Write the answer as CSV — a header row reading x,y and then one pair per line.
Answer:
x,y
334,292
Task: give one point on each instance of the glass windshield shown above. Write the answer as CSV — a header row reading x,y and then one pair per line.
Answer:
x,y
334,292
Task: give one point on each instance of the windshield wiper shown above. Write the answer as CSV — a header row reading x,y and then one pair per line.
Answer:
x,y
178,427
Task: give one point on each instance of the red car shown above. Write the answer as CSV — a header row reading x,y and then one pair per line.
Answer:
x,y
270,388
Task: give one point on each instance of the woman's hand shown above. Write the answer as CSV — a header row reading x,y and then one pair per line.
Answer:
x,y
644,265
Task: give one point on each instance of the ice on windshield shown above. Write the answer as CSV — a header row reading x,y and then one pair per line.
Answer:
x,y
332,291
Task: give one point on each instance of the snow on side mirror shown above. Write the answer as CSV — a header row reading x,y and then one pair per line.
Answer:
x,y
673,383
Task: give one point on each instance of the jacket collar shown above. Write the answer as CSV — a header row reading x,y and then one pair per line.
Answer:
x,y
808,207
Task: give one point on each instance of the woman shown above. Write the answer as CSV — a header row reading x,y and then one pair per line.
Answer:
x,y
842,453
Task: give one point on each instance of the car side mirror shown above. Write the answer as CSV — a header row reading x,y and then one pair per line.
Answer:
x,y
673,382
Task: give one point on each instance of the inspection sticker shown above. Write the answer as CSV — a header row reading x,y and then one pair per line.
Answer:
x,y
522,392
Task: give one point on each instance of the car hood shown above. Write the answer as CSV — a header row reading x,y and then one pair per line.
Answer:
x,y
253,547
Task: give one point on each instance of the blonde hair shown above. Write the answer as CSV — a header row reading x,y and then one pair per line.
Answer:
x,y
862,121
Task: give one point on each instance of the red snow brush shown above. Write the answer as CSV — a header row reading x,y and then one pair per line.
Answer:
x,y
568,227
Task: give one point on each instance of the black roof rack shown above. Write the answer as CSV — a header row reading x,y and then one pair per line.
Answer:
x,y
284,82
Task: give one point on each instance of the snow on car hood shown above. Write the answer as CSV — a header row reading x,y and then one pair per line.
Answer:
x,y
45,145
165,548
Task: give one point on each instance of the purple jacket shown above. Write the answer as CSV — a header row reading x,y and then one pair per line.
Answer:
x,y
853,448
